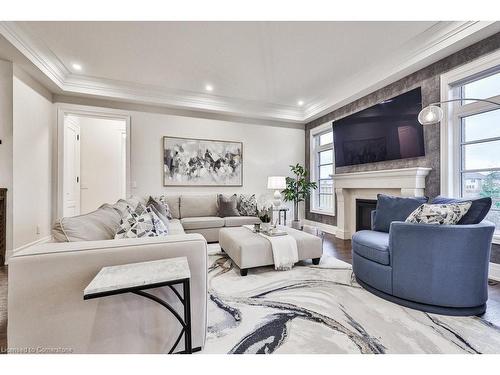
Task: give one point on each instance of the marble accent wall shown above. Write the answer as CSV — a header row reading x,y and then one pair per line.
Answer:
x,y
428,79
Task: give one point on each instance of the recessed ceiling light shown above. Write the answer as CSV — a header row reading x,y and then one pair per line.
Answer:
x,y
300,103
209,87
76,66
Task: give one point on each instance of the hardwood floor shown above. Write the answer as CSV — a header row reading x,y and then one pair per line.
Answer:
x,y
332,246
3,308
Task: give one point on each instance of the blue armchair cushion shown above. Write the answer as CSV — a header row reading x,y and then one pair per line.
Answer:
x,y
391,209
477,212
372,245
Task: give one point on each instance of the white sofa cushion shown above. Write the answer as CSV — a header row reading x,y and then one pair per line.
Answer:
x,y
175,227
202,222
198,205
236,221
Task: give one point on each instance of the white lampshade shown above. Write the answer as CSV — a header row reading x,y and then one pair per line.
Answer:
x,y
276,182
430,115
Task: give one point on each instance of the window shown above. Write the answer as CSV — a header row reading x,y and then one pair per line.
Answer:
x,y
472,132
480,144
322,169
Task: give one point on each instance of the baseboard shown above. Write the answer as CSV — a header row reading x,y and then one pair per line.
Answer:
x,y
332,229
39,241
494,273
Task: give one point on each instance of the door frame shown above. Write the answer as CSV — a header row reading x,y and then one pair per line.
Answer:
x,y
78,110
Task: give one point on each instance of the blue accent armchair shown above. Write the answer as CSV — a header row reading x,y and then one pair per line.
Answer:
x,y
440,269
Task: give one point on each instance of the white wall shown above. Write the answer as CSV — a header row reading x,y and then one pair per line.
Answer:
x,y
34,129
6,154
267,150
102,161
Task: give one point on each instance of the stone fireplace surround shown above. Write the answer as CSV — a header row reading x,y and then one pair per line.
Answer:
x,y
406,182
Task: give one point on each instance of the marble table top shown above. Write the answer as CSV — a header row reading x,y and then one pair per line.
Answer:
x,y
135,275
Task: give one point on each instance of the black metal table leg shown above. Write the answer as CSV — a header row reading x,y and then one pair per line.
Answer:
x,y
187,317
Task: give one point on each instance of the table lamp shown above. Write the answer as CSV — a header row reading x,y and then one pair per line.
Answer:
x,y
276,183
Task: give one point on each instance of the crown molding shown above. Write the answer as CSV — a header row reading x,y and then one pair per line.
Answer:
x,y
41,56
421,50
426,46
157,95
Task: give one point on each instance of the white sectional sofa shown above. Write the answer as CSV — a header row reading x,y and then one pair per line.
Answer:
x,y
199,214
46,282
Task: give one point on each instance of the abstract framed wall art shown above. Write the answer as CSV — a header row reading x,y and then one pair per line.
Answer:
x,y
202,162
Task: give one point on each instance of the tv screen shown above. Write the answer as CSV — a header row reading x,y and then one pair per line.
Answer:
x,y
387,131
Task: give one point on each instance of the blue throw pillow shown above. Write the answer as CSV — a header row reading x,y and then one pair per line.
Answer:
x,y
391,209
477,211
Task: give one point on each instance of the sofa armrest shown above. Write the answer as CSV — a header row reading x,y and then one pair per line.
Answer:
x,y
47,310
435,264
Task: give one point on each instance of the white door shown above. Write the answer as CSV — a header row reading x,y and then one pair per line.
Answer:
x,y
71,173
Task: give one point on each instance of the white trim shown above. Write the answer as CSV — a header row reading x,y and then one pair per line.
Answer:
x,y
326,213
450,157
332,229
494,272
70,109
442,39
314,132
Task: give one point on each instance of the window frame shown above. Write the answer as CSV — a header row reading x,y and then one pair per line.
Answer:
x,y
314,152
451,127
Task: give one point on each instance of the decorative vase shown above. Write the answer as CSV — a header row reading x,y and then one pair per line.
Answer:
x,y
296,224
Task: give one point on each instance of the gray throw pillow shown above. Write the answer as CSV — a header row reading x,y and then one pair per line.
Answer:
x,y
439,214
391,209
228,205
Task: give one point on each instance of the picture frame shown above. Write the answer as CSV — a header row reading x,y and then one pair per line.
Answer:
x,y
201,162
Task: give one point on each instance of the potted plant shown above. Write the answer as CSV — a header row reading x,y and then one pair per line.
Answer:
x,y
297,190
264,215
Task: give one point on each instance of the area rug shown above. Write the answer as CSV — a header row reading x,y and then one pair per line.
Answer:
x,y
321,309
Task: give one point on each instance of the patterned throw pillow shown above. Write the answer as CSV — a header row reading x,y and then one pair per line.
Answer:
x,y
159,227
247,205
163,200
159,209
147,224
439,214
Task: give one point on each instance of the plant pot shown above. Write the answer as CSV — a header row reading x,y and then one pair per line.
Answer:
x,y
296,224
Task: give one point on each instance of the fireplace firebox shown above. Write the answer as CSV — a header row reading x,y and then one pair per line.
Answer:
x,y
364,208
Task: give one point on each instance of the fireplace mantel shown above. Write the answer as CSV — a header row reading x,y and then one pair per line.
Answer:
x,y
366,185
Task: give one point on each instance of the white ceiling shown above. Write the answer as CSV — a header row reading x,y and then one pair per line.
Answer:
x,y
259,69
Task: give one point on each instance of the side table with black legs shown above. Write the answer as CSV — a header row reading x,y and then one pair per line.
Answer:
x,y
280,211
137,277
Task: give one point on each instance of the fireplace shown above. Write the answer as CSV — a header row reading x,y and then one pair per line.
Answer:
x,y
364,208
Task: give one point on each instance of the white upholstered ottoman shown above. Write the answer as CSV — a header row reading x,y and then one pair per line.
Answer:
x,y
248,249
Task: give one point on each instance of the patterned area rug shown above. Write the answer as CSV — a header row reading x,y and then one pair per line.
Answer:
x,y
321,309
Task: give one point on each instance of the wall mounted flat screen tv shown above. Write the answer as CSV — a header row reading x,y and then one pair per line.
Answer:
x,y
387,131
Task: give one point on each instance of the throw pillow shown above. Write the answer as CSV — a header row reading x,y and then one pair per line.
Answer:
x,y
247,205
139,209
228,205
160,209
391,209
439,214
160,228
477,212
142,226
126,223
163,200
